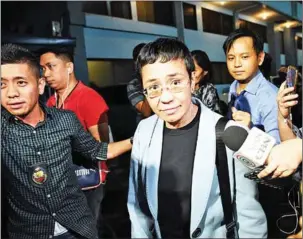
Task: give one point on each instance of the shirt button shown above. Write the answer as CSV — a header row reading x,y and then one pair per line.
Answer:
x,y
39,153
50,236
54,214
34,131
48,195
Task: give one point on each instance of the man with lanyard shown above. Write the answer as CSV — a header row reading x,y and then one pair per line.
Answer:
x,y
87,104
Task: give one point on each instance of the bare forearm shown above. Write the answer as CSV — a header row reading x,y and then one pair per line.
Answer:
x,y
285,131
117,148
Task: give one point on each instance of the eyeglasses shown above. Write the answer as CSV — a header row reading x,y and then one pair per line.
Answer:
x,y
173,86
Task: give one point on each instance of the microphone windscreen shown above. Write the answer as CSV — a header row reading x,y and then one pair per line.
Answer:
x,y
234,136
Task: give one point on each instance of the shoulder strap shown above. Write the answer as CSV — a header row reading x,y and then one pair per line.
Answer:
x,y
223,177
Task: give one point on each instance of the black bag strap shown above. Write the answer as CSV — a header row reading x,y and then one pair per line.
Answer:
x,y
223,177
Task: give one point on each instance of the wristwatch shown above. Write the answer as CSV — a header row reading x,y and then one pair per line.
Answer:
x,y
131,139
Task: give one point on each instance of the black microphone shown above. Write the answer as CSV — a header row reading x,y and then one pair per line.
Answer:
x,y
252,148
234,137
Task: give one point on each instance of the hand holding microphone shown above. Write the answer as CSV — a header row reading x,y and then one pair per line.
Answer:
x,y
253,150
241,117
283,159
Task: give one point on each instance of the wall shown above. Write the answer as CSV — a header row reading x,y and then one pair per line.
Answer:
x,y
282,6
110,44
110,37
299,57
208,42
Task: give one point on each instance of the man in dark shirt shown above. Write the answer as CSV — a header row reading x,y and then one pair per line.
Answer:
x,y
44,198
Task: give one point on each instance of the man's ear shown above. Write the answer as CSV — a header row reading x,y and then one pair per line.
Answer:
x,y
70,67
41,85
261,58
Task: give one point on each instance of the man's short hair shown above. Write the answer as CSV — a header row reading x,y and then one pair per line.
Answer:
x,y
243,32
15,54
164,50
137,50
61,52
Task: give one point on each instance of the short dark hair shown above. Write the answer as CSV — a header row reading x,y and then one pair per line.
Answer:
x,y
266,66
165,50
62,52
243,32
15,54
203,61
137,50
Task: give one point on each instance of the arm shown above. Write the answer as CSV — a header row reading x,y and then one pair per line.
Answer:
x,y
140,222
269,115
100,131
285,101
94,112
85,144
285,131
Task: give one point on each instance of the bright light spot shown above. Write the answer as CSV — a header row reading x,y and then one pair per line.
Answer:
x,y
288,25
264,15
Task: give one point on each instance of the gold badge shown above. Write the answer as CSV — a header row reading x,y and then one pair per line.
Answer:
x,y
39,175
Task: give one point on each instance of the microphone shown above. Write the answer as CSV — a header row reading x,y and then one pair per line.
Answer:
x,y
252,148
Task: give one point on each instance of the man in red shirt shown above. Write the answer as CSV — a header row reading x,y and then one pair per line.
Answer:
x,y
86,103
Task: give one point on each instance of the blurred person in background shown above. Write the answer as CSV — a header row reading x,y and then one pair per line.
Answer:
x,y
265,68
135,92
89,106
281,77
204,89
286,158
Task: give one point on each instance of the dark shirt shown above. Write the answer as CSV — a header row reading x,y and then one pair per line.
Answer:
x,y
175,180
38,172
207,93
135,92
135,95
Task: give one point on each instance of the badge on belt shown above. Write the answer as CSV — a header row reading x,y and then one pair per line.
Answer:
x,y
38,174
